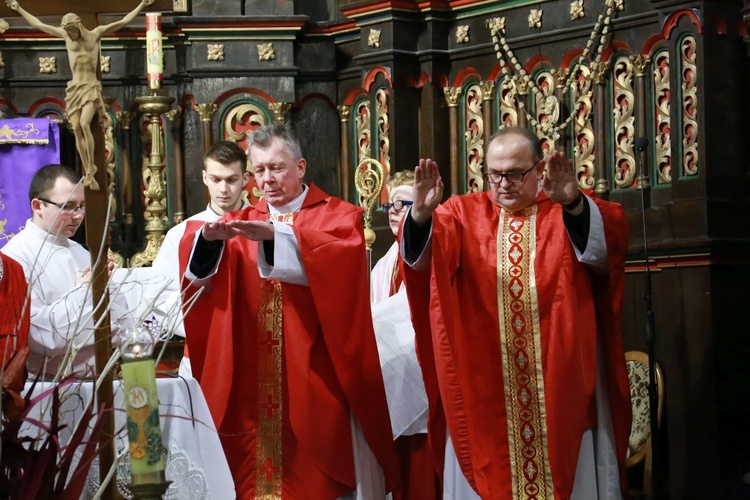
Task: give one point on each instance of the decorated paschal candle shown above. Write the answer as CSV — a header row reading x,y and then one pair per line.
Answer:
x,y
154,53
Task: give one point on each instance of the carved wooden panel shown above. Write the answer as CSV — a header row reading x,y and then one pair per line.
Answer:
x,y
473,138
688,81
662,121
506,98
239,121
547,109
384,142
584,129
624,122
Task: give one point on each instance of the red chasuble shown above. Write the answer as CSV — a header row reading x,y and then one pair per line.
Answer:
x,y
282,365
511,325
14,319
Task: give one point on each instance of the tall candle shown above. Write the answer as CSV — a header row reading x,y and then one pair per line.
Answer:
x,y
154,54
142,405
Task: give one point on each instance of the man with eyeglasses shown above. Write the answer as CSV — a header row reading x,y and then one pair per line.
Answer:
x,y
518,326
58,271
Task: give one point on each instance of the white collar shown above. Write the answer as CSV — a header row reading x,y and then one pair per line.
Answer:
x,y
293,206
38,232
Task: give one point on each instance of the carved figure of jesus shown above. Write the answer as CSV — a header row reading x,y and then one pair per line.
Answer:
x,y
83,95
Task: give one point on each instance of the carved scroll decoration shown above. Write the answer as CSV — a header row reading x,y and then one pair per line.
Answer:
x,y
624,123
384,141
547,111
364,132
507,99
663,135
474,138
688,79
239,121
584,129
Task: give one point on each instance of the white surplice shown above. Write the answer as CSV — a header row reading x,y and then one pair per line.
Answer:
x,y
61,309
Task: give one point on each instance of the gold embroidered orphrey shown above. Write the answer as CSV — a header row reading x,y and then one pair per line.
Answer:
x,y
268,461
521,345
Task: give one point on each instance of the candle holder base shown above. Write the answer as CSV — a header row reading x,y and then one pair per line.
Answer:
x,y
149,491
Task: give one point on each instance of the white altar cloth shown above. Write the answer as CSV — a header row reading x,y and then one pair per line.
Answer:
x,y
195,460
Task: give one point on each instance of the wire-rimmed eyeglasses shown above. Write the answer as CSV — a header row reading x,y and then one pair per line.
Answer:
x,y
66,209
397,205
514,177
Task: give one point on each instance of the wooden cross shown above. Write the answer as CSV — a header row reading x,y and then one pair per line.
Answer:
x,y
97,221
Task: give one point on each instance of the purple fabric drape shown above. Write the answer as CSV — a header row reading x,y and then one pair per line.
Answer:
x,y
26,145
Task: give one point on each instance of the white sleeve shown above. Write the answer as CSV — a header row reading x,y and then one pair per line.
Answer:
x,y
287,259
595,254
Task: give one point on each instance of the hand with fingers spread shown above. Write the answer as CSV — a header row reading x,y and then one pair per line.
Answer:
x,y
559,182
428,190
252,230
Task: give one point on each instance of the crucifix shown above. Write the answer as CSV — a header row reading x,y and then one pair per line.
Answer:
x,y
85,111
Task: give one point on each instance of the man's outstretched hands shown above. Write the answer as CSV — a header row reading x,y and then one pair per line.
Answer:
x,y
251,229
559,182
428,191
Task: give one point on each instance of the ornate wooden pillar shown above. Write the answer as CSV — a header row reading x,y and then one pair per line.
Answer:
x,y
522,88
599,74
175,118
488,98
452,97
206,112
344,112
561,75
641,64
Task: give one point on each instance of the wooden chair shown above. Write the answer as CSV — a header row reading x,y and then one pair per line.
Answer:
x,y
639,449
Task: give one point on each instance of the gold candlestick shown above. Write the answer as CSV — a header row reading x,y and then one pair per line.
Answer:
x,y
155,192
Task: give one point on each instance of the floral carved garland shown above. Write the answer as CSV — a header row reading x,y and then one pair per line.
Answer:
x,y
600,32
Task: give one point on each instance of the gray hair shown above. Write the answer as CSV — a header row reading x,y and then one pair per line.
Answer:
x,y
264,136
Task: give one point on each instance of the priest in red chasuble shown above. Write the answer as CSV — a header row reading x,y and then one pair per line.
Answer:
x,y
281,338
516,295
14,308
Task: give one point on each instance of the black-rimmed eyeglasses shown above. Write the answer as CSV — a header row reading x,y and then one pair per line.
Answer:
x,y
66,209
397,205
514,177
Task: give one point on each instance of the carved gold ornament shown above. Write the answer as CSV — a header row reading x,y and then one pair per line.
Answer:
x,y
373,39
344,112
624,122
4,26
206,111
452,95
280,110
48,64
462,34
618,5
689,87
576,10
496,25
104,62
364,132
584,130
215,52
663,143
266,52
535,18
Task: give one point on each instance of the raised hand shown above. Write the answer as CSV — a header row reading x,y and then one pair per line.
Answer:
x,y
559,182
428,190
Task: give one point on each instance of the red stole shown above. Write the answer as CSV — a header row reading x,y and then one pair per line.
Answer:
x,y
14,320
329,363
541,320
